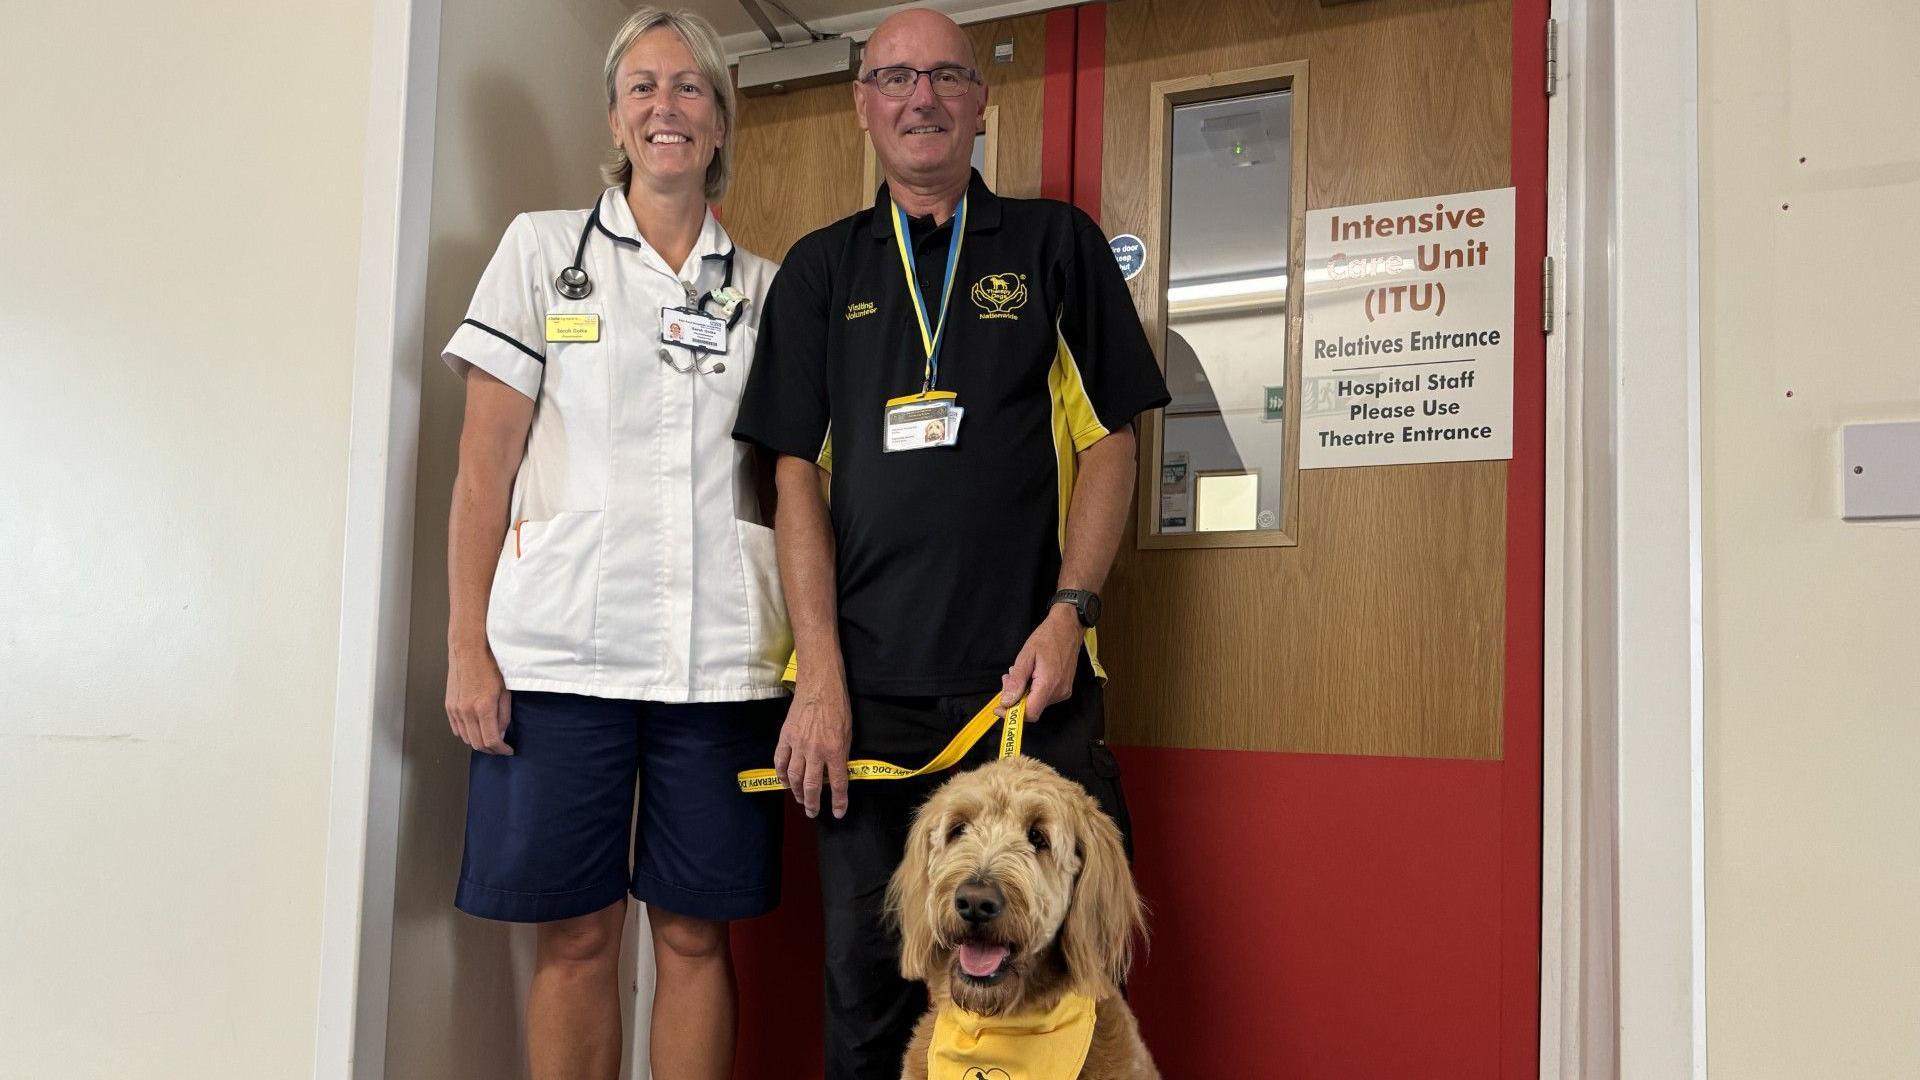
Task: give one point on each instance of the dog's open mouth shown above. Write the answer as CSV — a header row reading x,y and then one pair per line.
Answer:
x,y
983,961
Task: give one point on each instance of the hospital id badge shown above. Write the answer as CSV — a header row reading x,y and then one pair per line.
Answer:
x,y
678,326
922,421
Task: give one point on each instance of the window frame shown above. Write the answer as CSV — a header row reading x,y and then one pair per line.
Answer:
x,y
1167,95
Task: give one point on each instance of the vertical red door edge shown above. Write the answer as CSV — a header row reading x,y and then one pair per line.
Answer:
x,y
1089,105
1056,115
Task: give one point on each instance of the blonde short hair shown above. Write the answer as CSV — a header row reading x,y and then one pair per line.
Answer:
x,y
704,43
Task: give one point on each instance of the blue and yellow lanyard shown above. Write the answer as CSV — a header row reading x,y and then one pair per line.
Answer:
x,y
932,332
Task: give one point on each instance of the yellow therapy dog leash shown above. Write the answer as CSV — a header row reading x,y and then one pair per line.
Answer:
x,y
752,780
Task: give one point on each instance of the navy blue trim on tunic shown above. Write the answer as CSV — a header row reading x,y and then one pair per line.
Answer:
x,y
538,357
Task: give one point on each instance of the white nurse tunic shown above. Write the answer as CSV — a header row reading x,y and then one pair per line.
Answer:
x,y
635,565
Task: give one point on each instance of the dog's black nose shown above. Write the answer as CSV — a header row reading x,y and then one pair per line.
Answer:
x,y
978,902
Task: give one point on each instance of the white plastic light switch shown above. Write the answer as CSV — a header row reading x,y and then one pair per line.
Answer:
x,y
1880,470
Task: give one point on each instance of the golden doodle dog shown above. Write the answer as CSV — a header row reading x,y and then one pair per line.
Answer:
x,y
1017,908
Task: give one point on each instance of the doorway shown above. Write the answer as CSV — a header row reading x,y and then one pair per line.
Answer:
x,y
1326,689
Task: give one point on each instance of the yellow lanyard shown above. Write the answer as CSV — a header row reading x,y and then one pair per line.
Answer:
x,y
872,769
1034,1046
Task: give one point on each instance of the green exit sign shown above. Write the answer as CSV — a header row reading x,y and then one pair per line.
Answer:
x,y
1276,403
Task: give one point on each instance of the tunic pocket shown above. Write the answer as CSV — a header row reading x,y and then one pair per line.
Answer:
x,y
768,632
730,381
540,615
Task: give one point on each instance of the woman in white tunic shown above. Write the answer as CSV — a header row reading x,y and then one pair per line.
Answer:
x,y
615,609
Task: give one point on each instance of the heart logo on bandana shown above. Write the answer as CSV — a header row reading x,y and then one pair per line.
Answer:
x,y
988,1074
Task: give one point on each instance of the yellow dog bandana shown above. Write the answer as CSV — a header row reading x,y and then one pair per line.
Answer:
x,y
1033,1046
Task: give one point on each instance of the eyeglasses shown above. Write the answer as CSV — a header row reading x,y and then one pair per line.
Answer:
x,y
897,82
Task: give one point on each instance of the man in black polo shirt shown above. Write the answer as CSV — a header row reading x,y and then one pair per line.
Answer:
x,y
967,370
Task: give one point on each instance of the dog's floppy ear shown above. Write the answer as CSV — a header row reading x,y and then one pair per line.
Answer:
x,y
907,896
1106,913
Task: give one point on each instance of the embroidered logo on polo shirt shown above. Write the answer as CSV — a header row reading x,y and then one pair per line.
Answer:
x,y
998,294
859,309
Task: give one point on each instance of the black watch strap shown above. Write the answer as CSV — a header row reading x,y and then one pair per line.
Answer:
x,y
1085,604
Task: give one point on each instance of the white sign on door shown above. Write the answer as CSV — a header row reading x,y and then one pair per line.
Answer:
x,y
1407,339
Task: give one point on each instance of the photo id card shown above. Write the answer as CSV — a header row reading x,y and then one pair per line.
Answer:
x,y
922,422
678,326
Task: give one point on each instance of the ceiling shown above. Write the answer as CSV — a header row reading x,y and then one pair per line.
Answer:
x,y
1232,163
854,18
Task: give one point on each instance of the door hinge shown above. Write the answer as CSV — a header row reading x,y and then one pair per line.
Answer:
x,y
1553,55
1546,295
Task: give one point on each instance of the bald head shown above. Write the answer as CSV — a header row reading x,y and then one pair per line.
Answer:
x,y
916,31
924,141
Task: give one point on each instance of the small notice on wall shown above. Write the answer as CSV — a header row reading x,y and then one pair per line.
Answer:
x,y
1130,252
1176,493
1407,343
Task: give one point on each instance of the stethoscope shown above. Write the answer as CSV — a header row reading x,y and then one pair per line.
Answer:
x,y
573,283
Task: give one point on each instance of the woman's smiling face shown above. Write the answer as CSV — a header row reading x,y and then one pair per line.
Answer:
x,y
664,114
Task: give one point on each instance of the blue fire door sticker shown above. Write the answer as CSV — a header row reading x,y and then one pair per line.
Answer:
x,y
1130,252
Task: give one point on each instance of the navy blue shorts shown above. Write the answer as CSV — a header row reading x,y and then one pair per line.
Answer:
x,y
548,827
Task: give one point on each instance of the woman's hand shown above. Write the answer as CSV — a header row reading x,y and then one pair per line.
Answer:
x,y
478,701
493,437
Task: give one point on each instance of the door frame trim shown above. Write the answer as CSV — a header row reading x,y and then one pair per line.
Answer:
x,y
1167,95
376,586
1623,927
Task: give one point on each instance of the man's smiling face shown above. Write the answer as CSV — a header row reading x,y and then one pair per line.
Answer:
x,y
922,138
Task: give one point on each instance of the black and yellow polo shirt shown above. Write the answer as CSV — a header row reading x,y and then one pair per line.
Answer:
x,y
946,556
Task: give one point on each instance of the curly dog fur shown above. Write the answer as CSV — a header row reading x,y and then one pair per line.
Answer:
x,y
1064,908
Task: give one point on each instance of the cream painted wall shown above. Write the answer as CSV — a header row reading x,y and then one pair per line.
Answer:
x,y
1810,179
179,239
521,125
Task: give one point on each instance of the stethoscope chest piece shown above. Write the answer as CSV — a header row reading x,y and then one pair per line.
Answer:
x,y
573,283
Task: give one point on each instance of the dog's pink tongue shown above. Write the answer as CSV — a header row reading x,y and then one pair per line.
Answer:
x,y
981,961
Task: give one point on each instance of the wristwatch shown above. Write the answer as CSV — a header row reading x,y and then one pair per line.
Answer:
x,y
1085,604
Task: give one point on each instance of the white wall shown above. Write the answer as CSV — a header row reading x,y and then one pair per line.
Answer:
x,y
179,230
521,125
1812,624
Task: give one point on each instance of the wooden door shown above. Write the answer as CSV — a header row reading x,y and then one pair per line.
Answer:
x,y
1331,737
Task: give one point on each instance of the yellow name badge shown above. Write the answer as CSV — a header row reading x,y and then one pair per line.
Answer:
x,y
566,328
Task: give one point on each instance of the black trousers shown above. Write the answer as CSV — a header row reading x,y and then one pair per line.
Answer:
x,y
870,1009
